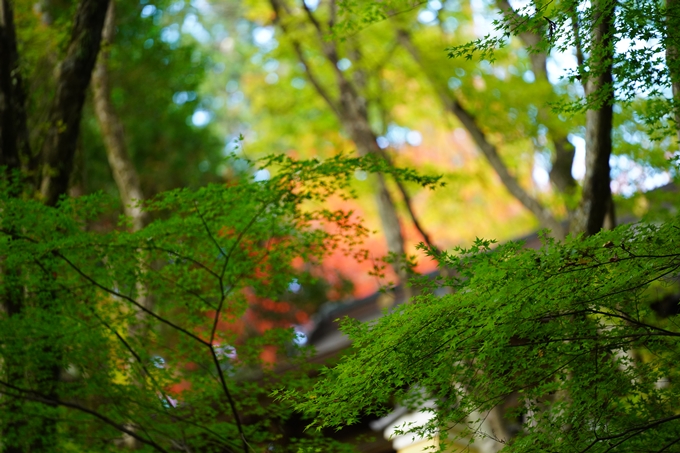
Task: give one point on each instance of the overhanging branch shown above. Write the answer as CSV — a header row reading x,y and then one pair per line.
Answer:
x,y
489,151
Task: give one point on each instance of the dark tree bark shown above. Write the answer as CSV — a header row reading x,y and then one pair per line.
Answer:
x,y
560,173
596,209
73,79
57,155
673,56
14,146
596,200
15,151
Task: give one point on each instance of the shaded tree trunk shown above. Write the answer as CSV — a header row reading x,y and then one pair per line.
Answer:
x,y
673,56
354,118
15,151
73,79
560,173
596,200
15,154
57,155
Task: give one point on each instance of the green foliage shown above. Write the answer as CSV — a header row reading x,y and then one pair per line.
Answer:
x,y
567,332
639,40
155,80
357,15
147,328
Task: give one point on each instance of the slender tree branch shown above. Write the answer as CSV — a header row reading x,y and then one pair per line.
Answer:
x,y
131,350
232,403
414,218
131,300
333,104
178,255
225,388
158,388
669,445
601,338
348,95
629,433
187,290
488,150
624,317
312,19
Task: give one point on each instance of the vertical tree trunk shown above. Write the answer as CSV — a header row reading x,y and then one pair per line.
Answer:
x,y
21,431
124,172
350,109
672,57
365,141
354,118
596,200
14,149
560,173
58,152
73,79
15,152
122,167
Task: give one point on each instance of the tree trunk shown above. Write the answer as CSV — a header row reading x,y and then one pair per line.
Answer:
x,y
73,78
124,172
365,141
58,151
596,200
354,118
672,57
350,109
123,169
560,173
14,148
15,152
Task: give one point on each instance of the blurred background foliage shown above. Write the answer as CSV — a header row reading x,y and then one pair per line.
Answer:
x,y
189,78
